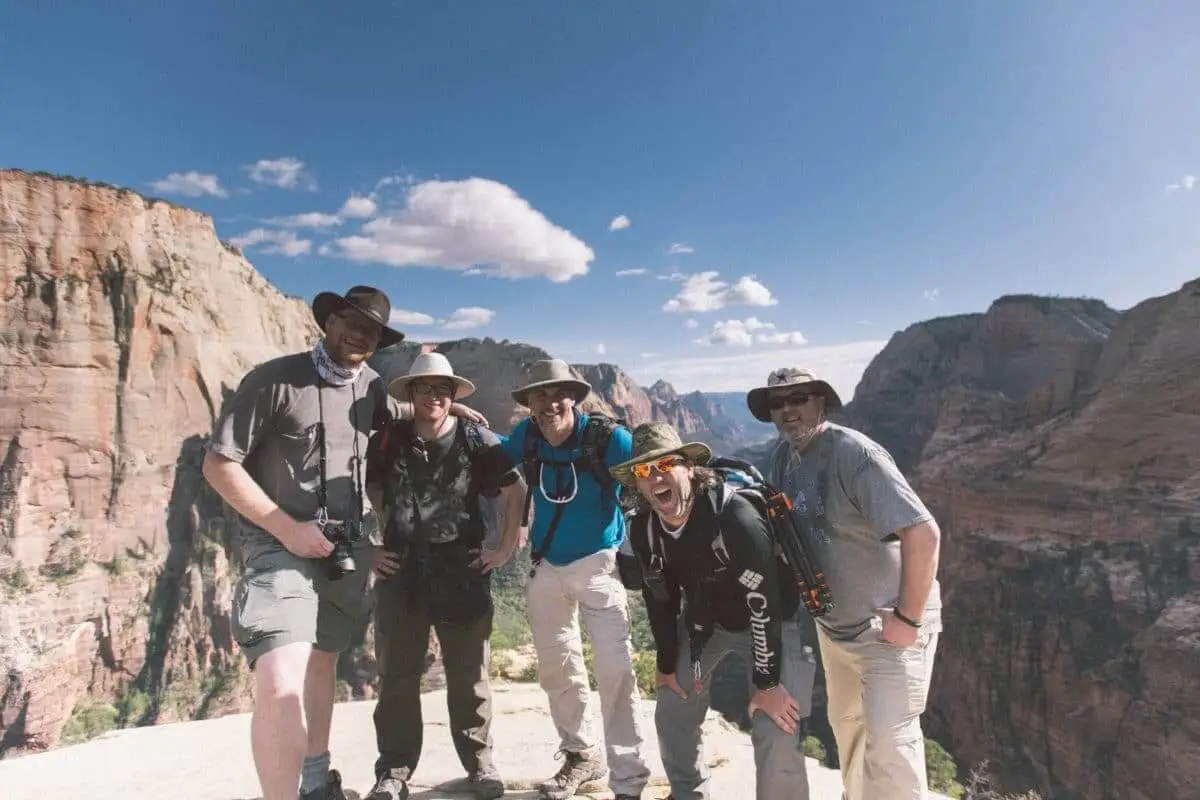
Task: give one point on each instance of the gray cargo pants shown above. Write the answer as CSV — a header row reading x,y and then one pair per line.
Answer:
x,y
779,758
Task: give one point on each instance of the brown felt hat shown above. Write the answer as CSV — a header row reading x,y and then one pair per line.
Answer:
x,y
372,303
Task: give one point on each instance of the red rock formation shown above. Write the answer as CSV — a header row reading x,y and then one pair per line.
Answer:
x,y
1056,441
125,323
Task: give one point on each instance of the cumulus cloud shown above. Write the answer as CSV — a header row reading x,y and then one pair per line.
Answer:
x,y
621,273
601,349
401,317
476,224
355,207
703,292
283,173
276,241
745,332
466,318
358,207
679,248
190,184
1185,183
619,223
842,365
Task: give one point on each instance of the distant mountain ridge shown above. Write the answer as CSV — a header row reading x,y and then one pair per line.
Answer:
x,y
720,420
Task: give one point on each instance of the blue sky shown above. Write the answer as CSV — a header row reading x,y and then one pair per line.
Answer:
x,y
844,169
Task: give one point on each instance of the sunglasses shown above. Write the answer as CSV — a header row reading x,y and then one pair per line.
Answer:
x,y
663,465
799,398
440,389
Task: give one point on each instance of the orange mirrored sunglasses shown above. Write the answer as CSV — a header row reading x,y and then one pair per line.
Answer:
x,y
664,465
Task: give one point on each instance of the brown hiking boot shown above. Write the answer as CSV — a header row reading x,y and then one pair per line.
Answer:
x,y
577,769
486,785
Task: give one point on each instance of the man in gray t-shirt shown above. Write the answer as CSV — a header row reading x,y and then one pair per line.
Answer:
x,y
287,453
879,548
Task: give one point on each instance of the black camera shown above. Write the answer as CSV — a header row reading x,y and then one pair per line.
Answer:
x,y
343,535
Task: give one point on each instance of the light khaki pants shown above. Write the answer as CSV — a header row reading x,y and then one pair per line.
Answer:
x,y
557,596
876,695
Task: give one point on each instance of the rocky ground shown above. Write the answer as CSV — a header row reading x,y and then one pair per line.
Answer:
x,y
210,760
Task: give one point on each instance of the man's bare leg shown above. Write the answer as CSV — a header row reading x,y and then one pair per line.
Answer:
x,y
319,687
278,736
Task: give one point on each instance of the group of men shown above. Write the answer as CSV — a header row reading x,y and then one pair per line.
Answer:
x,y
336,474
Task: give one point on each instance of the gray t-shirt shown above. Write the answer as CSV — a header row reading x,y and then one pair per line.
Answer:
x,y
270,425
856,498
444,475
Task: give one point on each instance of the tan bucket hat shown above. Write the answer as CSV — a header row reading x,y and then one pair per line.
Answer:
x,y
653,440
430,365
552,372
787,378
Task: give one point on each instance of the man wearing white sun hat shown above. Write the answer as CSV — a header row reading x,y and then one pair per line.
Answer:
x,y
430,478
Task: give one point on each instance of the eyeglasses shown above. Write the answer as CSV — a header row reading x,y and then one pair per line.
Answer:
x,y
781,401
440,389
663,465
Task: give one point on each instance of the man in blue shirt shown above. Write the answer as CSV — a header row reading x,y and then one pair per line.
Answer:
x,y
577,527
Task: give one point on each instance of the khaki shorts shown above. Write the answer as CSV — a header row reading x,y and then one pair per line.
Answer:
x,y
282,599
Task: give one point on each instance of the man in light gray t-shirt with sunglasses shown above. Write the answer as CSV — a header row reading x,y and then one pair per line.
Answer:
x,y
880,547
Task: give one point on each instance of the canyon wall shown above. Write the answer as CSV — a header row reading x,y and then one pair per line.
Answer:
x,y
126,322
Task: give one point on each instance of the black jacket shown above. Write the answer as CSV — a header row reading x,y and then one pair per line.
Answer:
x,y
753,590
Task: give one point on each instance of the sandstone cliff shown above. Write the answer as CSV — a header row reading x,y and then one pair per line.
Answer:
x,y
1056,441
126,321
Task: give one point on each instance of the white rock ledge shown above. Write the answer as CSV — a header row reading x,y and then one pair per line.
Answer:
x,y
210,759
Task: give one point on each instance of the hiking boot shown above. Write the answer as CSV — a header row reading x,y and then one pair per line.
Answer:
x,y
332,790
486,785
577,769
388,788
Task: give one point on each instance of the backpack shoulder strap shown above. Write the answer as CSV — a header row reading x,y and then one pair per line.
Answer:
x,y
529,464
594,447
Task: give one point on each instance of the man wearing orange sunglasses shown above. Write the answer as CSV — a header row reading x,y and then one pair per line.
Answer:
x,y
712,585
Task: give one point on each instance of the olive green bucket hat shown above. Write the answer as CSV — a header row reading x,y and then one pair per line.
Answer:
x,y
652,441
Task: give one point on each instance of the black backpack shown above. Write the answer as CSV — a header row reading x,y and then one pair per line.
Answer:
x,y
796,543
593,446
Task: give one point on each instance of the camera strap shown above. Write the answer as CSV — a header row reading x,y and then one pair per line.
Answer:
x,y
356,478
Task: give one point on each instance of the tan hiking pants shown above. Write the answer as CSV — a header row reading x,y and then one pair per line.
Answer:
x,y
876,695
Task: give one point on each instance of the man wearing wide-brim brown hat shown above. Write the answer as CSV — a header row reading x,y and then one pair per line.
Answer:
x,y
577,529
879,642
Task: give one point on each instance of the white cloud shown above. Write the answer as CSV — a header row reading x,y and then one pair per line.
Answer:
x,y
466,318
703,292
1186,183
680,248
355,207
619,223
842,365
621,273
358,207
745,332
473,223
281,242
190,184
402,317
284,173
672,276
932,294
309,219
601,349
691,324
